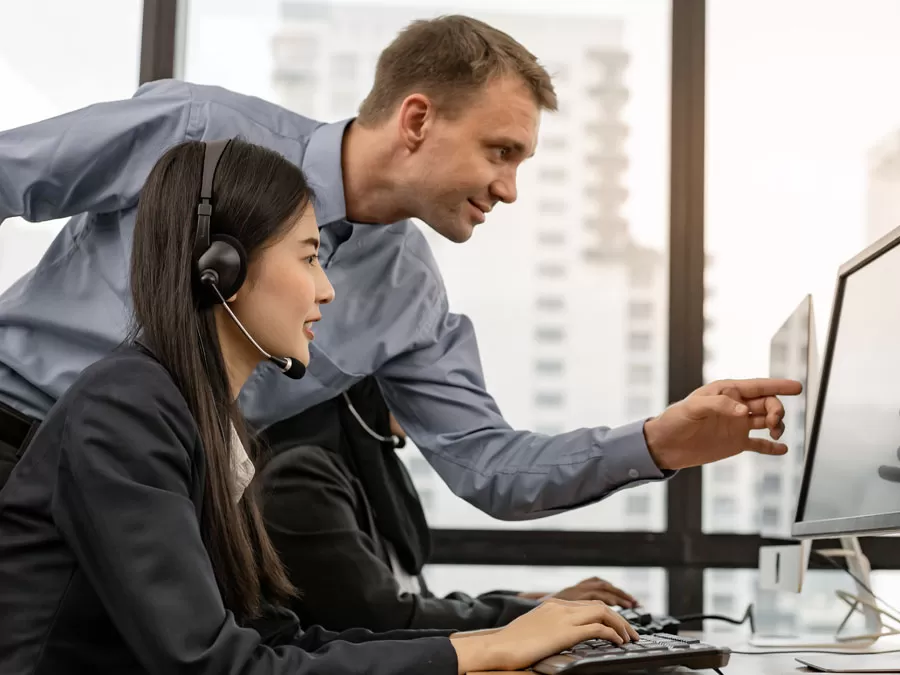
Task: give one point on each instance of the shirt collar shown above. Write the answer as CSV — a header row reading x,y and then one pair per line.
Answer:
x,y
322,167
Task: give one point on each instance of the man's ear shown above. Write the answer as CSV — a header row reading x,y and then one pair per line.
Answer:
x,y
415,117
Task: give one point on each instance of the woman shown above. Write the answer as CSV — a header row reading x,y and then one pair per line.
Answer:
x,y
340,508
129,540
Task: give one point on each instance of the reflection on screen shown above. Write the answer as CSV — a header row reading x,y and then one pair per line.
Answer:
x,y
789,358
856,470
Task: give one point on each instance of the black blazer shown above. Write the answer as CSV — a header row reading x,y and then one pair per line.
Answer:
x,y
323,524
102,566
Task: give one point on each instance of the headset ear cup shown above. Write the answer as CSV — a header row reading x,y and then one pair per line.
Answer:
x,y
227,259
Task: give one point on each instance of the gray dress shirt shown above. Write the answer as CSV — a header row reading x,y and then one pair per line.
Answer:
x,y
390,316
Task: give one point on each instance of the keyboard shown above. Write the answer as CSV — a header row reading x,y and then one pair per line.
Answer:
x,y
646,623
651,651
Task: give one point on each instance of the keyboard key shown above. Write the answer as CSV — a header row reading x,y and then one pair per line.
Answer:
x,y
678,638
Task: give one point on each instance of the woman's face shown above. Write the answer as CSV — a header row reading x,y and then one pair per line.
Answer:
x,y
279,302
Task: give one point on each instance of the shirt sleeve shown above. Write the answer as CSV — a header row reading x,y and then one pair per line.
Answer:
x,y
123,503
313,517
437,393
93,159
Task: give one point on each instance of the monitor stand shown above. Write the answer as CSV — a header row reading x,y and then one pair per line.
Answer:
x,y
863,601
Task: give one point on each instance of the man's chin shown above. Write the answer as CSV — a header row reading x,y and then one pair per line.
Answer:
x,y
458,231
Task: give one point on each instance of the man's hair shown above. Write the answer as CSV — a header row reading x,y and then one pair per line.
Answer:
x,y
449,59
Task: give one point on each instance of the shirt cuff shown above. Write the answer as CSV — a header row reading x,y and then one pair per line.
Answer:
x,y
627,459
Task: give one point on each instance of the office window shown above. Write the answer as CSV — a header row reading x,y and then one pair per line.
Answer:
x,y
418,466
722,603
641,277
551,207
551,237
551,143
550,303
640,310
558,71
548,367
57,56
639,406
771,484
640,374
344,104
770,516
641,576
549,334
552,174
548,399
639,341
551,270
823,202
724,471
637,504
496,278
724,506
344,67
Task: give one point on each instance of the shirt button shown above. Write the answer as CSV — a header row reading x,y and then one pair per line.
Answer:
x,y
633,473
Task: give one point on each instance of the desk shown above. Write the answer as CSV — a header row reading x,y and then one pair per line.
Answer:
x,y
760,664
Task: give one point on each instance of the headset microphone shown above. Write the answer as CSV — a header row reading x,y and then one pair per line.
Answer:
x,y
291,367
220,262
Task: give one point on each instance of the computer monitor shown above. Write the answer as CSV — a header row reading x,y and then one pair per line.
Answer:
x,y
792,354
851,477
851,473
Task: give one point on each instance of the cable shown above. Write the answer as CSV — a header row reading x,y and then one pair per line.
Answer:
x,y
711,617
748,616
857,580
718,672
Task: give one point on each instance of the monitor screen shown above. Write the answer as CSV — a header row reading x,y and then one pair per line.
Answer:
x,y
851,481
791,355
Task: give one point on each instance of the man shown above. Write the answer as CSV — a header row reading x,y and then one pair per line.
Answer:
x,y
453,112
340,508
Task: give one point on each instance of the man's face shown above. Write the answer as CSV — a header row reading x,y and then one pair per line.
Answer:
x,y
468,164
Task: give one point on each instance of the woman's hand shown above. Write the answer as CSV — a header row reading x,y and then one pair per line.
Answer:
x,y
548,629
590,589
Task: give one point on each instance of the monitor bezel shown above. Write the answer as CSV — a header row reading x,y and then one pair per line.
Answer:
x,y
857,525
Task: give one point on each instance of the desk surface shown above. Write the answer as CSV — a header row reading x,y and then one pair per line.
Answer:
x,y
764,664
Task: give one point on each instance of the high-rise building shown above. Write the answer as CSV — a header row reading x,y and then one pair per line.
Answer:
x,y
883,190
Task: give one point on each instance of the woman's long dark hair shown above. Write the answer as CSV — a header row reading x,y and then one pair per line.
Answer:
x,y
256,196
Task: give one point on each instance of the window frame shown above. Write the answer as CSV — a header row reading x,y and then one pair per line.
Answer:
x,y
683,548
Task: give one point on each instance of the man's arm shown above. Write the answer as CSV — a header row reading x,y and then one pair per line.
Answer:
x,y
438,395
312,517
93,159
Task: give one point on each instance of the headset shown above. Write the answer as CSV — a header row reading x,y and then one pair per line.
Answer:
x,y
397,441
220,261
